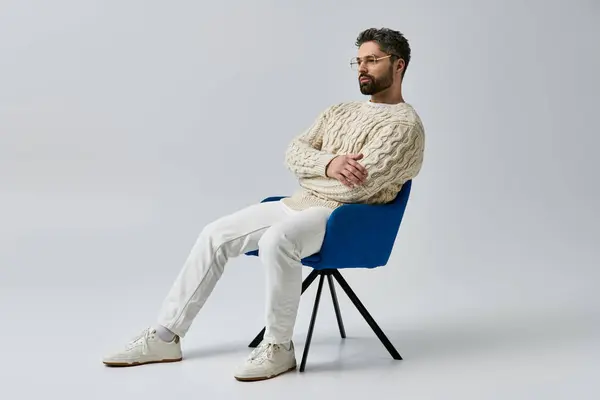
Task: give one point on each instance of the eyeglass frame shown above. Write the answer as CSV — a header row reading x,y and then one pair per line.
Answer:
x,y
354,60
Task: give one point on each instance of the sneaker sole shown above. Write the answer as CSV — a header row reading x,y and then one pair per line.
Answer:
x,y
134,364
262,378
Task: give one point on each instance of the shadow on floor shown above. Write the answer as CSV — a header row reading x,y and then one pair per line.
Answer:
x,y
464,335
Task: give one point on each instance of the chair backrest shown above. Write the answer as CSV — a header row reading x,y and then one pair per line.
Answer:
x,y
401,200
399,206
362,235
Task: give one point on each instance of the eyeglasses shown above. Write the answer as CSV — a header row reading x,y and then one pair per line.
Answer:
x,y
370,60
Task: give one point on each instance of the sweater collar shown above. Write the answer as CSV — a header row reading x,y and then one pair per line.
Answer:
x,y
387,105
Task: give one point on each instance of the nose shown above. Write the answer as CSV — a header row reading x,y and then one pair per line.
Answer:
x,y
362,67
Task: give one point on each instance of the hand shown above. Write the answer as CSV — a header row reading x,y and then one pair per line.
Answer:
x,y
347,170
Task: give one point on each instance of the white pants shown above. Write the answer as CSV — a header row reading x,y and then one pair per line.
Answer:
x,y
282,236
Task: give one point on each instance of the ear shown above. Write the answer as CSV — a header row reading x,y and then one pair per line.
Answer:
x,y
401,65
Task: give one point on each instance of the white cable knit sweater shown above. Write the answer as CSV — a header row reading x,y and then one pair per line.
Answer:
x,y
390,136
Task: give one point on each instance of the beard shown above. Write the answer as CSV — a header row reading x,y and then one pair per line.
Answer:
x,y
374,86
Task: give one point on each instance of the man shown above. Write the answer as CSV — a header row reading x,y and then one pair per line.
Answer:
x,y
355,152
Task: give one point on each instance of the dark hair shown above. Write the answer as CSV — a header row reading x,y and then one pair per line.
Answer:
x,y
390,41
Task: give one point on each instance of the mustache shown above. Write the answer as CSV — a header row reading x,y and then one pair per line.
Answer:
x,y
365,76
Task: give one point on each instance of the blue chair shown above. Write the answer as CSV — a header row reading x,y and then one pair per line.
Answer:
x,y
356,236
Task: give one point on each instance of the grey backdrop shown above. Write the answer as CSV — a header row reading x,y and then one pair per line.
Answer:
x,y
125,126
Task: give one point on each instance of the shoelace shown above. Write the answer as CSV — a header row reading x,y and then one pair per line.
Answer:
x,y
142,339
263,352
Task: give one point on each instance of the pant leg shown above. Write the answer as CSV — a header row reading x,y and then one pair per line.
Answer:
x,y
281,249
227,237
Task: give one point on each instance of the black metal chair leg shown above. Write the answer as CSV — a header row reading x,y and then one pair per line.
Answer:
x,y
311,327
336,306
363,311
307,282
259,338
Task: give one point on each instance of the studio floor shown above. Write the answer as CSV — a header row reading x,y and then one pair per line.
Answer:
x,y
53,342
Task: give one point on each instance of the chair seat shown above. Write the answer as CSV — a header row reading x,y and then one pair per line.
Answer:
x,y
358,235
310,261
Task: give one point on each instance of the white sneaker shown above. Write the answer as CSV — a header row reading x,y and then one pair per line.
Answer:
x,y
267,361
145,349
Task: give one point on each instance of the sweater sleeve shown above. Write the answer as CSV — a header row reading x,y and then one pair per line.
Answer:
x,y
304,156
393,156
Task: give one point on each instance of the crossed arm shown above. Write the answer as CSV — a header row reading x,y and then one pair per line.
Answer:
x,y
304,156
393,156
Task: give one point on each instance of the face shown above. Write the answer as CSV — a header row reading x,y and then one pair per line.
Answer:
x,y
375,77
